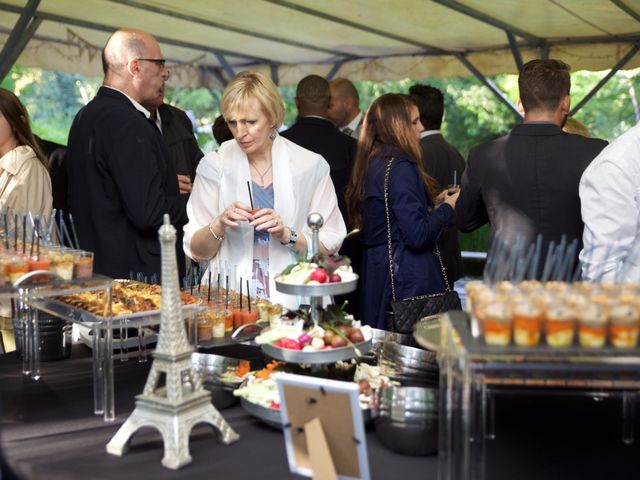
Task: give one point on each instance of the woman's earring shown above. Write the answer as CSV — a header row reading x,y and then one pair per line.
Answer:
x,y
272,135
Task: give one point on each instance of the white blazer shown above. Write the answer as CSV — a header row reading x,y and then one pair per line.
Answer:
x,y
301,185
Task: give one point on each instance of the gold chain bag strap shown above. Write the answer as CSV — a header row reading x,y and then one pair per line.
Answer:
x,y
406,312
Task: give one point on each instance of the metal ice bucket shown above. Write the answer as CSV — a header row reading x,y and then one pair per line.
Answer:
x,y
407,419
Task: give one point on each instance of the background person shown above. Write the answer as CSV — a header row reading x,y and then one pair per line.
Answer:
x,y
576,126
344,109
443,162
314,131
611,212
392,129
220,130
177,132
24,180
287,183
525,184
121,177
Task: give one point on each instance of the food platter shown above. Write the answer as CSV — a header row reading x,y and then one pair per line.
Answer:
x,y
273,418
270,416
319,289
318,357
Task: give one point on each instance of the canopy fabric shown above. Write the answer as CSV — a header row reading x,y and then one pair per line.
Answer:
x,y
207,41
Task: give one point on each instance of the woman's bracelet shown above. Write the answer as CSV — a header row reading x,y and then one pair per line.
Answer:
x,y
219,238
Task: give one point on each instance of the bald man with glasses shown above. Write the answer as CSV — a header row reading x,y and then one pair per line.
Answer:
x,y
121,179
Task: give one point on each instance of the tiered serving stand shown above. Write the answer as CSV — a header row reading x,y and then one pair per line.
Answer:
x,y
316,294
318,358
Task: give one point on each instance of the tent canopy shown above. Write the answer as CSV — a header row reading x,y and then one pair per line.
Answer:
x,y
207,41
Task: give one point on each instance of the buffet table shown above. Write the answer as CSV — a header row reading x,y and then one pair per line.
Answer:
x,y
472,373
48,431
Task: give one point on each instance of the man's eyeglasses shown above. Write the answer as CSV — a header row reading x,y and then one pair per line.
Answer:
x,y
158,61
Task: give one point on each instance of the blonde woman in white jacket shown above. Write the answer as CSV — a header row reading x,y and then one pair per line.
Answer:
x,y
287,182
24,179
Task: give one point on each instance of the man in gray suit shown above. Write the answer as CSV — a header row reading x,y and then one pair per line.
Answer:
x,y
442,162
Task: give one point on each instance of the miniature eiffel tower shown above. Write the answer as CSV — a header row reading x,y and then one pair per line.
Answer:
x,y
175,407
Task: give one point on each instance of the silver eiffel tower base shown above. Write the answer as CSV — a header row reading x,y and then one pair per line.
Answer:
x,y
173,399
174,430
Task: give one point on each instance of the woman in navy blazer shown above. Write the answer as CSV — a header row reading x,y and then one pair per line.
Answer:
x,y
391,130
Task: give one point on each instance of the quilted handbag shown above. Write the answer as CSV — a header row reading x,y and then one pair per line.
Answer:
x,y
406,312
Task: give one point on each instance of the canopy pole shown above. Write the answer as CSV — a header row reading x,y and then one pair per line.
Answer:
x,y
623,61
218,74
488,83
226,66
544,51
50,17
489,20
515,50
332,73
627,9
274,73
19,37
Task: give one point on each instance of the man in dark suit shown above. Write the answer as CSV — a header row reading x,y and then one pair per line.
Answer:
x,y
526,183
315,132
121,179
442,162
178,136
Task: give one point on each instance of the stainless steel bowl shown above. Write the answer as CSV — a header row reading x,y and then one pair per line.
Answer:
x,y
380,337
211,367
407,419
407,365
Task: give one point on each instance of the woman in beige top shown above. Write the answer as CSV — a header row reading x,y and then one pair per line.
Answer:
x,y
24,180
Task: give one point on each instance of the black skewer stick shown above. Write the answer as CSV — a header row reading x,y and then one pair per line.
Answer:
x,y
38,239
73,231
33,237
226,300
248,296
24,234
64,229
6,231
15,233
218,291
250,196
209,287
240,293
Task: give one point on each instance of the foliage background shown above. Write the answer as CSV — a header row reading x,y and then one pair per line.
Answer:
x,y
473,114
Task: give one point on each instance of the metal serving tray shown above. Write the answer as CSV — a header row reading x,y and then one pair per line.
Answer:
x,y
320,290
76,314
273,417
269,416
322,356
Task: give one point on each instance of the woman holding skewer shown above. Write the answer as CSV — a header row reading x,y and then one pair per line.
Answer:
x,y
24,180
389,188
251,198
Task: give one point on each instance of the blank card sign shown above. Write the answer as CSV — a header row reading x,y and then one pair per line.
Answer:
x,y
323,420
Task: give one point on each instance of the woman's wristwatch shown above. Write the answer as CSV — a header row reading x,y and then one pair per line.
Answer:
x,y
293,238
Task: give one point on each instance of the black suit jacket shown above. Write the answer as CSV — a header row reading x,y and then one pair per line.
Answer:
x,y
338,149
441,159
321,136
121,183
526,183
177,131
